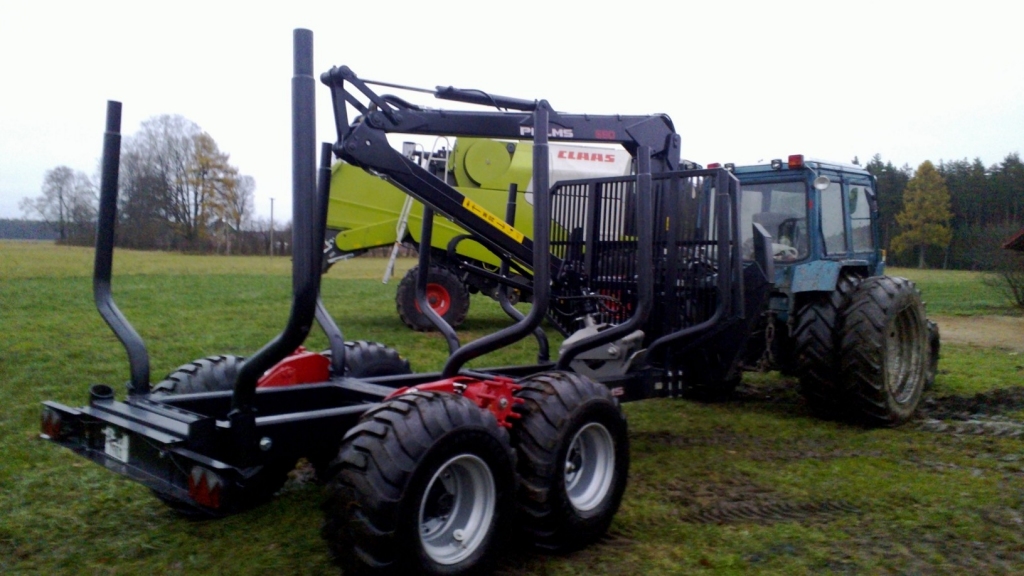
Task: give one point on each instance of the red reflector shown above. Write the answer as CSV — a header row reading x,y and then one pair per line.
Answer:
x,y
796,161
714,165
51,424
205,487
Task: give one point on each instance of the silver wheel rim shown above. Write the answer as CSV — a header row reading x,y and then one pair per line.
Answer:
x,y
904,355
589,467
457,509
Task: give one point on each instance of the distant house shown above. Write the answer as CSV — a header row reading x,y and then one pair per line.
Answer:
x,y
1016,243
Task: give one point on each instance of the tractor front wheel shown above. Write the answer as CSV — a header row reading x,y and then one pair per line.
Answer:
x,y
424,485
573,459
446,294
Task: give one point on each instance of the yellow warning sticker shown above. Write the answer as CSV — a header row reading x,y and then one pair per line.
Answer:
x,y
493,220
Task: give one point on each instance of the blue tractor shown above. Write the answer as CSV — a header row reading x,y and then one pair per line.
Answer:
x,y
856,339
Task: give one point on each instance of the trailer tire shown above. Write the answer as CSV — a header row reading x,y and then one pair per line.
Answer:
x,y
448,296
365,359
424,485
884,349
210,374
816,345
573,459
217,374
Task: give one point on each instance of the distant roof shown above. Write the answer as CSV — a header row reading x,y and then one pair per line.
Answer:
x,y
1016,243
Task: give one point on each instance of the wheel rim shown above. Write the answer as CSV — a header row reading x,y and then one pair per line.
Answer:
x,y
457,509
589,467
438,298
904,356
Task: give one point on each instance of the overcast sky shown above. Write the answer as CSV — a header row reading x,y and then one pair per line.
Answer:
x,y
743,82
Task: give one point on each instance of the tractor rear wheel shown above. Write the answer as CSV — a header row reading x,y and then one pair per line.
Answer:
x,y
884,349
424,485
216,374
446,294
573,459
816,345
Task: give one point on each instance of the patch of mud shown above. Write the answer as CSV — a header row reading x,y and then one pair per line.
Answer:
x,y
740,500
982,404
784,392
980,415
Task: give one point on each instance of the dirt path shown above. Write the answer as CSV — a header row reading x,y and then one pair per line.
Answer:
x,y
989,331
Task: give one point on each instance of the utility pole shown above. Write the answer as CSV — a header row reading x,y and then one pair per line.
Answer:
x,y
271,226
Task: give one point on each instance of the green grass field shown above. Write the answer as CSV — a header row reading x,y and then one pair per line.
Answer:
x,y
753,485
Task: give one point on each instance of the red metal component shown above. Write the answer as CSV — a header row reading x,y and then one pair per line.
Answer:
x,y
204,487
438,298
496,395
51,424
302,367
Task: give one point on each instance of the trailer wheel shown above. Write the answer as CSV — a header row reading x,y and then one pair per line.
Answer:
x,y
816,345
424,485
210,374
364,359
214,374
446,294
884,349
573,459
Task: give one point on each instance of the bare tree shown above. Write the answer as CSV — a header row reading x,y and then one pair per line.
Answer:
x,y
68,201
234,208
186,181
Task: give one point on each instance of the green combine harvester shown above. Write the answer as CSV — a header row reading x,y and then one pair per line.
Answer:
x,y
367,212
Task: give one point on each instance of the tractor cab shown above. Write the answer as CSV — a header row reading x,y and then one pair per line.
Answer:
x,y
822,217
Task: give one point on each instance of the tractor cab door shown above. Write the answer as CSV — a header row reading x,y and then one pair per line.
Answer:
x,y
848,219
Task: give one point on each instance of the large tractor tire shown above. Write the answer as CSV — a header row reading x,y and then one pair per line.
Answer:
x,y
364,359
816,345
884,349
446,294
215,374
425,485
573,459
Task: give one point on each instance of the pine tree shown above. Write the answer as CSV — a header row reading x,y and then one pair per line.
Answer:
x,y
925,219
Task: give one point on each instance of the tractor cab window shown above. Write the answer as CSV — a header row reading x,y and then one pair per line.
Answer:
x,y
781,207
833,224
860,218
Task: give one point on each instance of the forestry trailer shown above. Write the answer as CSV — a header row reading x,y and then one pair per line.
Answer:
x,y
427,473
